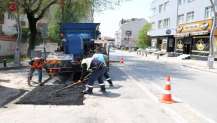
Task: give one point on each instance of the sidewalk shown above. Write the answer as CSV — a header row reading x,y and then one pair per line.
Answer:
x,y
190,63
13,66
125,103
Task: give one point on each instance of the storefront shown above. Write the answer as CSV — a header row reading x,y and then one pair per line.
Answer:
x,y
166,44
193,38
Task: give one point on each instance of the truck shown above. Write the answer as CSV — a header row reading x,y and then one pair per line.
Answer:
x,y
77,43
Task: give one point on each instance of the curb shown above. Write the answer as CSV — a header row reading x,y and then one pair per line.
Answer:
x,y
12,68
200,69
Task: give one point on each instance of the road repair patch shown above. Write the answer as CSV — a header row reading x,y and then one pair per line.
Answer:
x,y
46,95
9,94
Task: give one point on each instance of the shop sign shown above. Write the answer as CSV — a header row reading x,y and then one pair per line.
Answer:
x,y
195,26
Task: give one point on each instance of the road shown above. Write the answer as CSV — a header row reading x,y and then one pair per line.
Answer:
x,y
194,87
124,103
134,99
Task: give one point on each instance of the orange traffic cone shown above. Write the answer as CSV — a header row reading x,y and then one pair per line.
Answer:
x,y
122,60
167,96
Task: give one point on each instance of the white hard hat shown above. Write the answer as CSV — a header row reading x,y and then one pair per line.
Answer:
x,y
36,58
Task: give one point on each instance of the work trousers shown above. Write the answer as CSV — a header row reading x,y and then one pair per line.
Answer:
x,y
96,75
106,75
32,70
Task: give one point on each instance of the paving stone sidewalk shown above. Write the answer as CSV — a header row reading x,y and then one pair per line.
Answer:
x,y
11,65
190,63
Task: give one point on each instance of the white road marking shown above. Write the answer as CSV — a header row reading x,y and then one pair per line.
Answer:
x,y
176,117
209,120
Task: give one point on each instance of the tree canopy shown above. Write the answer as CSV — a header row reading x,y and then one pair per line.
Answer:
x,y
36,9
74,11
143,40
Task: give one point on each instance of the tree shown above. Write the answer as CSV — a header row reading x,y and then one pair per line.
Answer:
x,y
76,11
36,9
143,40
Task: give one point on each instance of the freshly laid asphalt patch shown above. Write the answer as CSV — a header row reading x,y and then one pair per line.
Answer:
x,y
9,94
45,95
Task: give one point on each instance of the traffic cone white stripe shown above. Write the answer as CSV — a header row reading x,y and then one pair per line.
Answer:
x,y
167,83
167,92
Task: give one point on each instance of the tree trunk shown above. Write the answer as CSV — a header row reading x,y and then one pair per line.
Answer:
x,y
33,33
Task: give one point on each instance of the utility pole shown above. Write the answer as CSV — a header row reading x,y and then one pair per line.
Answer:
x,y
211,46
19,36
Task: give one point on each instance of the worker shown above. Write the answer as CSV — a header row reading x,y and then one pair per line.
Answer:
x,y
36,64
104,58
96,71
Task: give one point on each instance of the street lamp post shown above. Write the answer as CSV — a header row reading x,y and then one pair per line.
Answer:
x,y
211,48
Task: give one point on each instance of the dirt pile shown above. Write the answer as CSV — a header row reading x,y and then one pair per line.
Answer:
x,y
45,95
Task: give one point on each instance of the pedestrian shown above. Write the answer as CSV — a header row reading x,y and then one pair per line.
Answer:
x,y
36,65
96,70
104,58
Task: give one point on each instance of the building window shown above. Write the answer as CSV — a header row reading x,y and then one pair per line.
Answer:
x,y
160,8
189,1
181,2
153,25
208,12
11,16
190,17
180,19
154,11
166,5
166,23
160,24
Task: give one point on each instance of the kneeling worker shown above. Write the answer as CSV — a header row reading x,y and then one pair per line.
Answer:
x,y
96,71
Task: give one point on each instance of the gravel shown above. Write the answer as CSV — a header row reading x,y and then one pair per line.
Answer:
x,y
45,95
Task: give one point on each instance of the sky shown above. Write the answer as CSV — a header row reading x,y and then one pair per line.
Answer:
x,y
109,19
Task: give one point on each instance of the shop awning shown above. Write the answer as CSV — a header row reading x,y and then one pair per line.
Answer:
x,y
179,35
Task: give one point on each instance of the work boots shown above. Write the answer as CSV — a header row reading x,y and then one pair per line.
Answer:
x,y
88,91
110,83
103,90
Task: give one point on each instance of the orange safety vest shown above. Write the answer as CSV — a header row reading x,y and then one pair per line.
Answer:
x,y
37,64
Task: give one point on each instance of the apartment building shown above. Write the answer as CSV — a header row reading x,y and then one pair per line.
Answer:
x,y
164,22
8,33
128,32
189,27
194,23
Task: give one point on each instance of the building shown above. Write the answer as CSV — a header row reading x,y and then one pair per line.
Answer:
x,y
182,26
9,25
164,22
8,33
128,32
194,23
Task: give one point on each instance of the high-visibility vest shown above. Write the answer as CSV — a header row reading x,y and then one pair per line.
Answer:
x,y
37,65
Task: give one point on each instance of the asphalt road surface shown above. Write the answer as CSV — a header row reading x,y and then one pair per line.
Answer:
x,y
194,87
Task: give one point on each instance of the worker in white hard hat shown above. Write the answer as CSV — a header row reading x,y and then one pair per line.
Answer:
x,y
36,64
